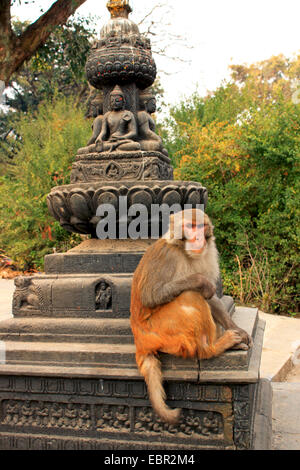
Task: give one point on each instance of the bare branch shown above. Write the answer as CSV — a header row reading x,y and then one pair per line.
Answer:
x,y
37,33
162,38
15,50
156,7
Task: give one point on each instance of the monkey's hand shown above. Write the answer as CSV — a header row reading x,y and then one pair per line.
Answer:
x,y
246,340
202,284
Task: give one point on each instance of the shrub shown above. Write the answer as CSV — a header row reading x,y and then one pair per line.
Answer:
x,y
50,138
251,169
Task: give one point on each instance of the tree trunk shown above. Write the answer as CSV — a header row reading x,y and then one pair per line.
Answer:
x,y
15,50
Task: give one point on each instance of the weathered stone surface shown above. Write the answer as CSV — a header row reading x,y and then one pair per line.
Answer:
x,y
121,55
75,205
73,296
44,412
106,344
125,166
98,256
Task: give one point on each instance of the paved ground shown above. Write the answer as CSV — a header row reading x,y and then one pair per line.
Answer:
x,y
280,363
286,416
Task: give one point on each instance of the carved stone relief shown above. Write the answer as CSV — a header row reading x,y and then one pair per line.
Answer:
x,y
46,414
106,417
103,296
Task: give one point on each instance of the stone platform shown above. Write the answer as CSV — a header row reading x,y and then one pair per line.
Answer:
x,y
70,380
60,395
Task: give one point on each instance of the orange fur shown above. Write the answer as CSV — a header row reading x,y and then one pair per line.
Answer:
x,y
183,327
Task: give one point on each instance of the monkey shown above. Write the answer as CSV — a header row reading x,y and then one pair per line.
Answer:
x,y
174,305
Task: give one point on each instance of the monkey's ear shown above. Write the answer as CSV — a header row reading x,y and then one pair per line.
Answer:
x,y
209,231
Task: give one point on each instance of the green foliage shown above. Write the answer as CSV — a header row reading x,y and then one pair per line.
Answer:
x,y
58,65
244,146
50,138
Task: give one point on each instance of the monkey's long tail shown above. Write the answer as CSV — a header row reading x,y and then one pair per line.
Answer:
x,y
150,368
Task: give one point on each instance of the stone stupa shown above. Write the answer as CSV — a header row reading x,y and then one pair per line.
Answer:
x,y
69,379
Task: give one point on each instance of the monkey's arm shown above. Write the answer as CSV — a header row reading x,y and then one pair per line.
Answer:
x,y
222,317
159,294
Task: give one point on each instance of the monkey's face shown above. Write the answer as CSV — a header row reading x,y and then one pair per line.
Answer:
x,y
191,229
194,236
197,234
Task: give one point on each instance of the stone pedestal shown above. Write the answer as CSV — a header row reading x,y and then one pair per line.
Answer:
x,y
70,379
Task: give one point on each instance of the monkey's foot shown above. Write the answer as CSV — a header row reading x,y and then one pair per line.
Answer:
x,y
233,338
242,346
245,339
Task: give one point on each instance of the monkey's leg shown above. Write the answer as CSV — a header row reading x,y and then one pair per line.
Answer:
x,y
222,317
229,339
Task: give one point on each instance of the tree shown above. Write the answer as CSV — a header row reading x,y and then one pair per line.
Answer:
x,y
57,66
16,49
243,143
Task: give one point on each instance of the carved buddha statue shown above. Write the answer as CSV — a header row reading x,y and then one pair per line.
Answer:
x,y
97,107
119,127
97,113
148,139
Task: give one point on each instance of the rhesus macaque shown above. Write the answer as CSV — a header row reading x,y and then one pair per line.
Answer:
x,y
173,303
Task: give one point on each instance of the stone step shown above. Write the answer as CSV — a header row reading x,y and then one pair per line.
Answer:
x,y
87,330
102,344
77,355
69,354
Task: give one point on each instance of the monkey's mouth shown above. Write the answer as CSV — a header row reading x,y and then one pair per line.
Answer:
x,y
196,245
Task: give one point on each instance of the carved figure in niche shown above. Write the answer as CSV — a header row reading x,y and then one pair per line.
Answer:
x,y
112,171
103,296
210,424
148,139
27,412
119,127
97,112
122,419
70,416
12,413
25,294
42,413
144,420
107,417
192,422
56,415
84,417
152,171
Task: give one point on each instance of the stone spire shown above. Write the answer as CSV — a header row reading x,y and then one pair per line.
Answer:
x,y
119,8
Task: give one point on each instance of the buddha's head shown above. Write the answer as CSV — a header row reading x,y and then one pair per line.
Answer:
x,y
117,99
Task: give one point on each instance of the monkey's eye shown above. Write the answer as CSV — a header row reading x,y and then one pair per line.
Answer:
x,y
189,226
200,226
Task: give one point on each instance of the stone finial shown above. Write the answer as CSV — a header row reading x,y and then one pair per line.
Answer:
x,y
119,8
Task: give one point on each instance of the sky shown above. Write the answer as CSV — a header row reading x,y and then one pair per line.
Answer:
x,y
215,34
